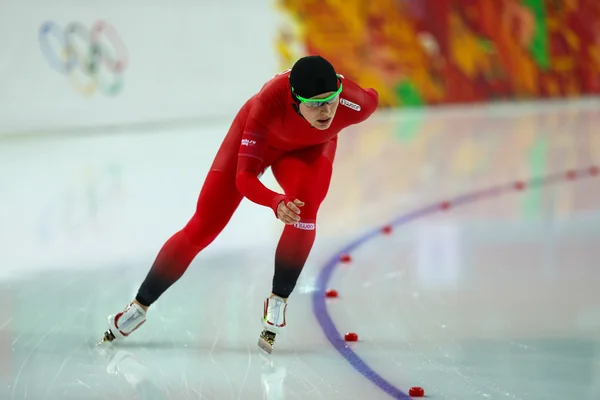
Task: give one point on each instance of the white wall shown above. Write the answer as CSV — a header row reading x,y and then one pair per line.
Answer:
x,y
83,202
107,194
181,59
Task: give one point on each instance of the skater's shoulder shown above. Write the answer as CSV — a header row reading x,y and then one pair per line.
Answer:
x,y
269,104
354,92
356,102
276,89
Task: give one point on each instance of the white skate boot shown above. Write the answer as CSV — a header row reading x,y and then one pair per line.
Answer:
x,y
124,323
273,322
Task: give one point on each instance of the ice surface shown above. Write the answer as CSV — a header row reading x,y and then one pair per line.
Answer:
x,y
494,299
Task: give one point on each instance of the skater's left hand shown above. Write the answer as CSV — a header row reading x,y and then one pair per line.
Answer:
x,y
288,213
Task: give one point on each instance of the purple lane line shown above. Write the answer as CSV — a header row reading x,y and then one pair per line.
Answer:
x,y
320,307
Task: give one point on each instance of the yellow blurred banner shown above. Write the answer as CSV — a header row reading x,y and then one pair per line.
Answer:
x,y
420,52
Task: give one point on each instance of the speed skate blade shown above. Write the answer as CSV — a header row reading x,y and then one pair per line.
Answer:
x,y
266,340
266,346
107,338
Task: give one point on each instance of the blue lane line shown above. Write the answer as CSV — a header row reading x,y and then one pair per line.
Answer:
x,y
318,298
329,328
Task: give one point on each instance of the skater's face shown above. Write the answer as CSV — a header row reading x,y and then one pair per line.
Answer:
x,y
320,115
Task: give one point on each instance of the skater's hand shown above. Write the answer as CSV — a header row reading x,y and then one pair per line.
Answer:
x,y
288,213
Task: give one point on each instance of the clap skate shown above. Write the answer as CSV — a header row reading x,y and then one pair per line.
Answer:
x,y
124,323
273,322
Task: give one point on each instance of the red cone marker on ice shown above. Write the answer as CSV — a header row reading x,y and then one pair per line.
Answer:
x,y
345,258
416,392
351,337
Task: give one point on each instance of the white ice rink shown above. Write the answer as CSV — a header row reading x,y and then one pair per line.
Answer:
x,y
495,297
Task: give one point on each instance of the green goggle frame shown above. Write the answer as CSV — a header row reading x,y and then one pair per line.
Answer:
x,y
320,102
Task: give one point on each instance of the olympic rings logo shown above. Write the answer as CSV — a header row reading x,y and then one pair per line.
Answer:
x,y
92,59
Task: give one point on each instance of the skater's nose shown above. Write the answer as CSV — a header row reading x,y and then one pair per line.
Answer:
x,y
326,110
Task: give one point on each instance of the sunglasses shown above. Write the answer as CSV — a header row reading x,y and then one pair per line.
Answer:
x,y
314,103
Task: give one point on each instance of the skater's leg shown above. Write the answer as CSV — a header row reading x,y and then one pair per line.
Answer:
x,y
217,202
303,175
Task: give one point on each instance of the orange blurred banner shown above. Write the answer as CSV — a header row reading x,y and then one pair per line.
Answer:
x,y
424,52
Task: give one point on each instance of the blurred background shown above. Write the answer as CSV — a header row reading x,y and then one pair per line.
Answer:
x,y
73,73
111,113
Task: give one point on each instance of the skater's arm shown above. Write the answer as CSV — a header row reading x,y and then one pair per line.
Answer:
x,y
369,100
252,154
251,187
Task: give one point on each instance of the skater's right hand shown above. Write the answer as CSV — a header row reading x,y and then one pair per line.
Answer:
x,y
288,213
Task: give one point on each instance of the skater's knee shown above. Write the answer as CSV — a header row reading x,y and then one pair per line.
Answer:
x,y
200,233
311,206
